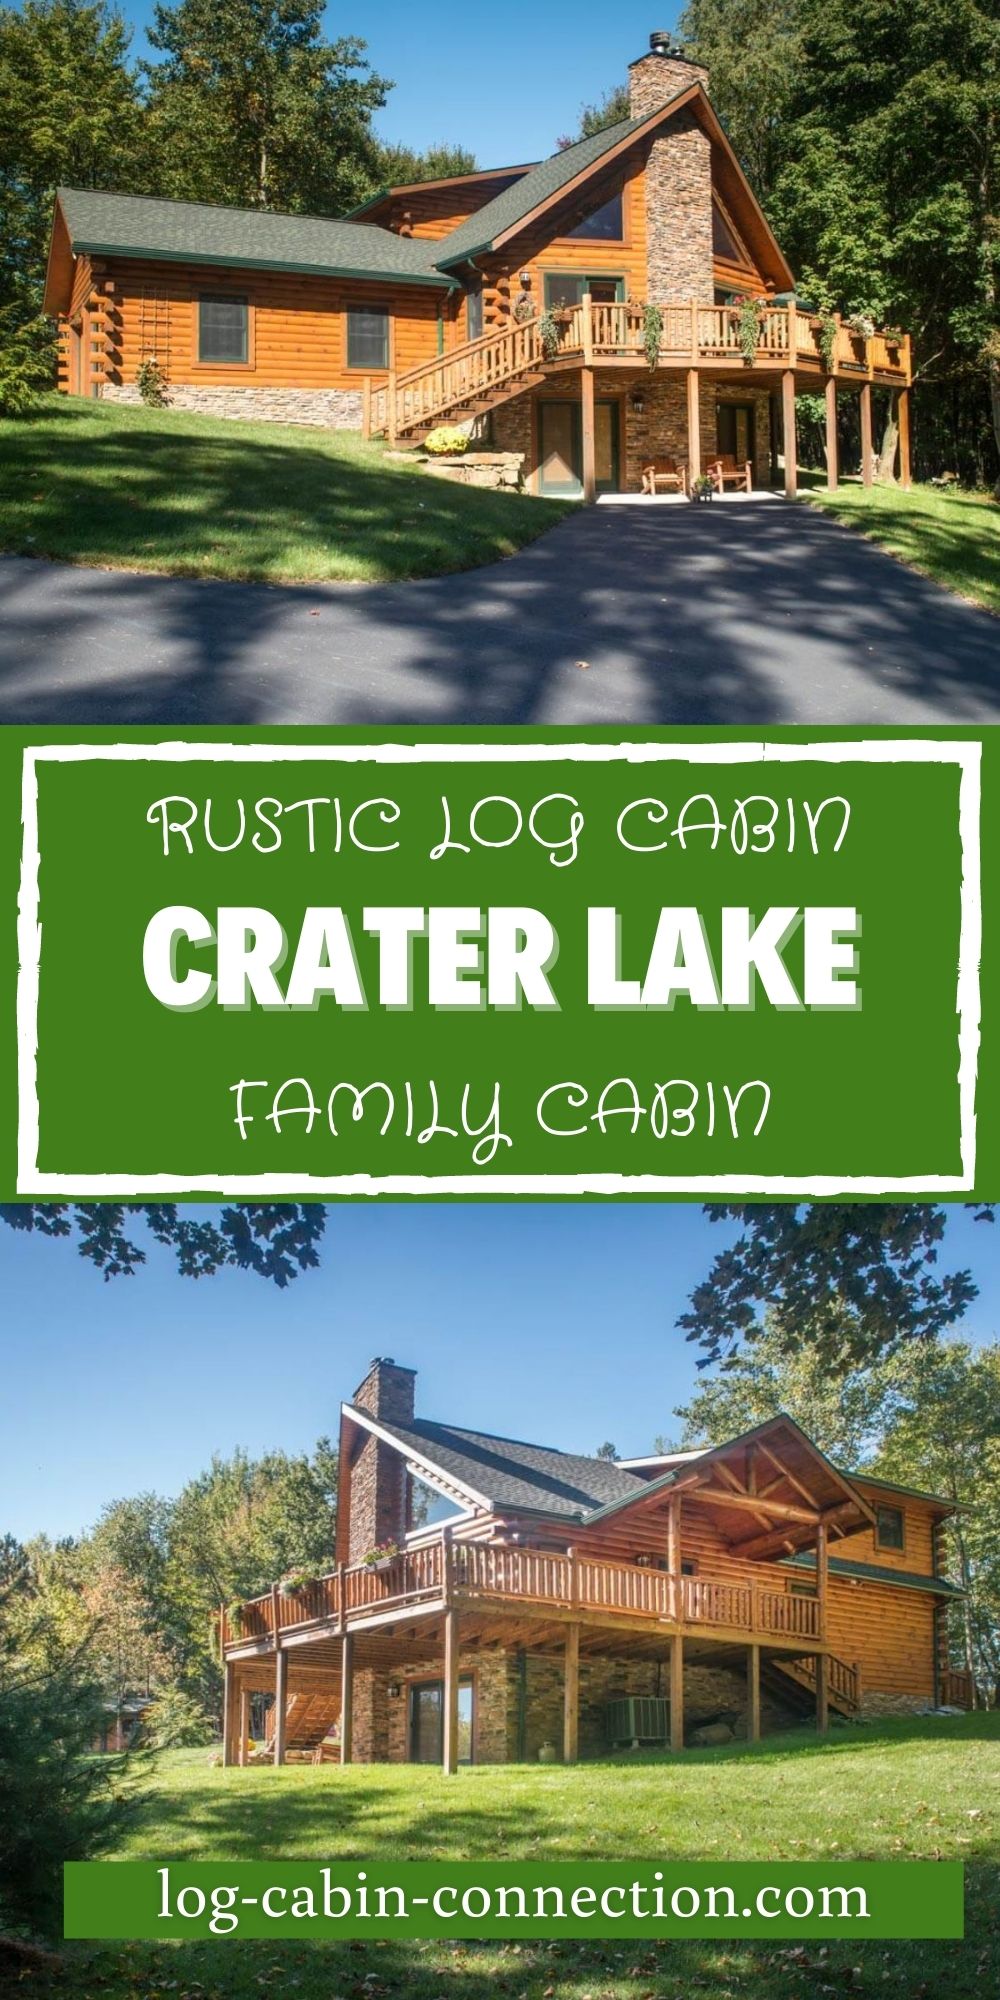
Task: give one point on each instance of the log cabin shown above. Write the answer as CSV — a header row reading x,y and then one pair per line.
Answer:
x,y
494,1600
587,313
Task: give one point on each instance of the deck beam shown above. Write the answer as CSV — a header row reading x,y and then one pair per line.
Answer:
x,y
788,433
280,1703
867,466
753,1694
693,425
571,1695
903,420
347,1699
244,1711
677,1694
832,465
822,1694
449,1748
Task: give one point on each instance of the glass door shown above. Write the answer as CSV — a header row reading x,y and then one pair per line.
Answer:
x,y
735,431
427,1722
560,448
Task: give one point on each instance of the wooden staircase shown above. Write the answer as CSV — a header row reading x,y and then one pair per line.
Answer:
x,y
308,1719
468,382
793,1681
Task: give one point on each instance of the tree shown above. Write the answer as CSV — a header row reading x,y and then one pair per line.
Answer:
x,y
611,109
69,113
276,1240
249,104
608,1451
843,1413
753,51
60,1804
400,166
855,1280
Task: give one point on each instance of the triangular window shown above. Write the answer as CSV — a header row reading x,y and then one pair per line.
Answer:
x,y
602,225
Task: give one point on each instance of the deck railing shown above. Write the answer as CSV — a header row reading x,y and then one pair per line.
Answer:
x,y
691,335
482,1571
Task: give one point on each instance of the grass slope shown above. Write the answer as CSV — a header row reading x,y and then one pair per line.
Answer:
x,y
163,490
900,1790
953,537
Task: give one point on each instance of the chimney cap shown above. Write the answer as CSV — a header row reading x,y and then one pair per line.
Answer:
x,y
660,42
387,1361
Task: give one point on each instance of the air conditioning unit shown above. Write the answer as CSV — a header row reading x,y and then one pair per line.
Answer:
x,y
636,1720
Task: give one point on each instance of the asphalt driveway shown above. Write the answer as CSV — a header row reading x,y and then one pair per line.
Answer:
x,y
759,613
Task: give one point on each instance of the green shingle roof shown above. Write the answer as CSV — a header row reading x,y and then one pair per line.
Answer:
x,y
137,225
907,1579
508,209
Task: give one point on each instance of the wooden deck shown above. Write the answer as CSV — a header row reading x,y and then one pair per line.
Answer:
x,y
490,1577
473,378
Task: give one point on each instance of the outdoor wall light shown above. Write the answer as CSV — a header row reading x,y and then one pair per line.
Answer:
x,y
638,401
525,277
394,1690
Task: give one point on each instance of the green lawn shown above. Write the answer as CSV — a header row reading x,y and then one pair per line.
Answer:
x,y
953,537
162,490
894,1791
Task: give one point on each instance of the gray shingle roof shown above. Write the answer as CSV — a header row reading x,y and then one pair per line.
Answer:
x,y
510,1473
508,208
121,224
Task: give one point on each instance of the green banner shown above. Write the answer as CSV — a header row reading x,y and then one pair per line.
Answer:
x,y
260,1899
469,966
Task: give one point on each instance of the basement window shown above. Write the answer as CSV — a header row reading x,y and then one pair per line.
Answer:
x,y
889,1532
367,337
222,327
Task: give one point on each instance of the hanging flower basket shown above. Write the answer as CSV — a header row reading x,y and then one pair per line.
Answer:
x,y
382,1556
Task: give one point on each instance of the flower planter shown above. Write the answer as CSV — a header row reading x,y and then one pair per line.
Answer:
x,y
383,1562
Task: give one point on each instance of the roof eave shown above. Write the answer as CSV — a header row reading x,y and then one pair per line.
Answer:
x,y
434,278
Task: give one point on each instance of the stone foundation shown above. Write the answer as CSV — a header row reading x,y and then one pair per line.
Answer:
x,y
658,431
498,469
320,409
875,1703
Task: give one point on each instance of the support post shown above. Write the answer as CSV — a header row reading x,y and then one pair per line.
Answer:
x,y
867,472
571,1695
449,1756
903,419
822,1700
587,330
280,1703
229,1705
832,466
390,407
753,1694
694,427
788,433
822,1575
677,1693
366,407
589,435
674,1555
244,1723
347,1698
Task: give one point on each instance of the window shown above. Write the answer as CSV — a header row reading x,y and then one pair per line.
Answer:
x,y
604,224
474,313
724,243
427,1721
889,1528
689,1569
803,1589
222,327
426,1506
566,288
367,337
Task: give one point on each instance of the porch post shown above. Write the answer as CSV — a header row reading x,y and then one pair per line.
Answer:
x,y
903,419
822,1702
832,469
280,1703
788,432
677,1693
694,427
866,433
347,1698
822,1575
244,1723
674,1555
228,1712
588,435
571,1695
449,1757
753,1694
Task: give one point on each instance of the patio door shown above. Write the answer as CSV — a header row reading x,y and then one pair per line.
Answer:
x,y
735,431
426,1745
560,447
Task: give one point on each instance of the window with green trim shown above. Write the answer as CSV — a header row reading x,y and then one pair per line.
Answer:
x,y
567,288
223,323
367,337
889,1528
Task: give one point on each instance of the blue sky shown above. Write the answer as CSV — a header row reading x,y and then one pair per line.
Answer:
x,y
552,1322
505,85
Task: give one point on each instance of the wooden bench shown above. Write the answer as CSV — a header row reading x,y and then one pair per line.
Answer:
x,y
665,472
725,472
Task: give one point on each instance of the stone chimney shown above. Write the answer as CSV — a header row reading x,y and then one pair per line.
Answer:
x,y
378,1474
678,180
661,74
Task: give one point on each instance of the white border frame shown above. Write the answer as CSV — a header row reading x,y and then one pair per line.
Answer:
x,y
966,755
